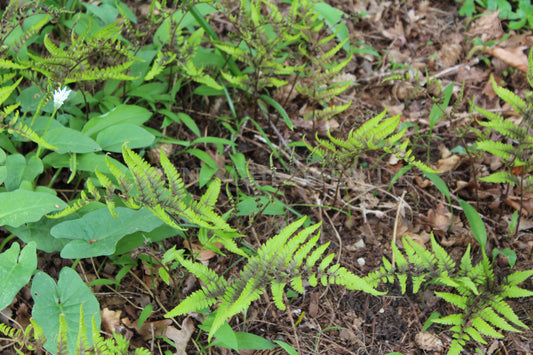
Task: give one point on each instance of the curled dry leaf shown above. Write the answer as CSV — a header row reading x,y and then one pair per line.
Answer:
x,y
428,341
322,127
181,337
438,219
110,320
515,57
487,27
448,164
150,330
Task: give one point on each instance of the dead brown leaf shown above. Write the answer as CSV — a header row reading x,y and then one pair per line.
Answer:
x,y
151,329
439,219
487,27
201,252
515,57
181,337
110,320
448,164
428,341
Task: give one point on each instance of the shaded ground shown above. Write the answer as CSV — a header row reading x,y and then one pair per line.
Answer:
x,y
428,36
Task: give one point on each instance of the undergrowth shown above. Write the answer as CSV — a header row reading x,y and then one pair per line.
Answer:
x,y
88,93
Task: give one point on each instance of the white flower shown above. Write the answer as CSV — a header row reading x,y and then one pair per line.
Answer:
x,y
60,96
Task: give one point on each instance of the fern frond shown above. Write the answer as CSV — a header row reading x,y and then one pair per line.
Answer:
x,y
62,336
279,262
326,113
510,97
502,177
82,343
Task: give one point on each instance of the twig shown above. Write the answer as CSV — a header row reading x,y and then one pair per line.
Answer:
x,y
395,232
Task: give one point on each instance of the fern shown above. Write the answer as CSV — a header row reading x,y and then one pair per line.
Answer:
x,y
320,75
278,263
75,63
166,199
517,148
474,290
32,338
375,134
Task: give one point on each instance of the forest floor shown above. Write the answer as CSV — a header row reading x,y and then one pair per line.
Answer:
x,y
365,215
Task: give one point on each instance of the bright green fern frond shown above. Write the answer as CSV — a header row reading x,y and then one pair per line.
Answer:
x,y
485,328
83,201
210,197
509,97
62,340
456,300
502,177
195,302
175,183
277,294
326,113
82,343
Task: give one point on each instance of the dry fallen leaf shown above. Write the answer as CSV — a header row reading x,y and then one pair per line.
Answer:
x,y
151,329
110,319
438,219
487,27
181,337
515,57
201,252
428,341
449,163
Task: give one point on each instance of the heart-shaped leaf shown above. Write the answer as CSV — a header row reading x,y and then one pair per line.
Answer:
x,y
112,138
51,300
97,233
15,271
23,206
68,140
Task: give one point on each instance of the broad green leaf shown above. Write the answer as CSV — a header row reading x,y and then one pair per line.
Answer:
x,y
184,118
475,222
112,138
437,111
15,271
69,140
51,300
333,16
144,315
39,233
97,232
139,238
85,162
289,349
439,184
19,169
121,114
104,12
23,206
248,341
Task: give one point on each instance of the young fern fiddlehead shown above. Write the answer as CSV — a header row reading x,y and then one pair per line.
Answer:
x,y
290,258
